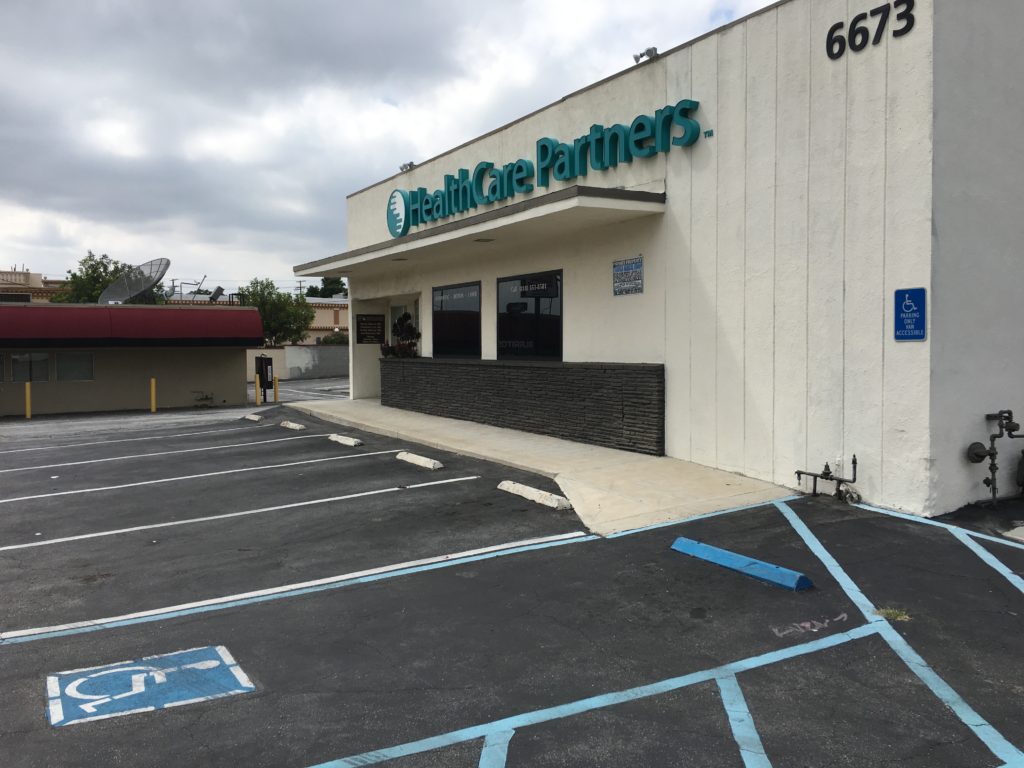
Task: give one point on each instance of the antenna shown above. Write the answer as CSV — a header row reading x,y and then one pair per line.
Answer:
x,y
135,281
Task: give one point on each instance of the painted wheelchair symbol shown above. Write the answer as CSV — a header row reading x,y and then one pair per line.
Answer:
x,y
909,305
142,685
139,675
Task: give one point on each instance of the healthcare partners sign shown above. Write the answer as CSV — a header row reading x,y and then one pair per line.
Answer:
x,y
600,149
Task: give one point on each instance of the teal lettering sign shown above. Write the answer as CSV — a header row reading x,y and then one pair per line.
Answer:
x,y
600,149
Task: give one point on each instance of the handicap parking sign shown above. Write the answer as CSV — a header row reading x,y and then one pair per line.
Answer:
x,y
911,314
153,682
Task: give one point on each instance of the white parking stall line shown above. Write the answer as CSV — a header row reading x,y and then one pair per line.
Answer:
x,y
228,515
193,477
313,394
126,440
158,453
301,587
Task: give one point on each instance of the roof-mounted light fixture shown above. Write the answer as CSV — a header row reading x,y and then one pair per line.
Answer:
x,y
648,53
407,166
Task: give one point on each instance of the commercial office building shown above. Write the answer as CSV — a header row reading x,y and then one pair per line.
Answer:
x,y
751,300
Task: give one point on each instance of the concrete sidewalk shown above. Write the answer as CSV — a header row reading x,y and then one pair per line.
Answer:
x,y
610,490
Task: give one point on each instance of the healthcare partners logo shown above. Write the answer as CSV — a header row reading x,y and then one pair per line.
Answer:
x,y
398,213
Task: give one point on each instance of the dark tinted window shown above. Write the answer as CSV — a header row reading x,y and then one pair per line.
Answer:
x,y
457,321
530,316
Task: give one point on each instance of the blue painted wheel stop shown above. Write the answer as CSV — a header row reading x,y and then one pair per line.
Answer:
x,y
748,566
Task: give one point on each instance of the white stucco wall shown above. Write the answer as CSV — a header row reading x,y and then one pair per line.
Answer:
x,y
977,302
770,276
809,206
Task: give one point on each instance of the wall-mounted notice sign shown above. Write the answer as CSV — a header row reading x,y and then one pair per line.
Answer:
x,y
628,276
370,329
911,312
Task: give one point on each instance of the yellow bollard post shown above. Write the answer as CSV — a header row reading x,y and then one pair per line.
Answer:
x,y
277,393
152,395
28,400
257,389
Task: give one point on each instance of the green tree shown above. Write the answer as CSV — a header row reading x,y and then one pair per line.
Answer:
x,y
286,318
95,273
329,286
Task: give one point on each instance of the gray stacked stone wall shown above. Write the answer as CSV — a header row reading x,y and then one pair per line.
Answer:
x,y
614,405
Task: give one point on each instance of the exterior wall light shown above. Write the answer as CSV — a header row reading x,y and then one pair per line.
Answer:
x,y
647,53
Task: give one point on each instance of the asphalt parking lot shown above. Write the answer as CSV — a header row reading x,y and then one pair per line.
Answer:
x,y
292,390
229,593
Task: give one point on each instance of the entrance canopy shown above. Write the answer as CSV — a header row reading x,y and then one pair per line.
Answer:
x,y
556,214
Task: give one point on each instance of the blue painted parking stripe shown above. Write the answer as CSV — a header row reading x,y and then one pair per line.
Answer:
x,y
495,751
279,593
695,518
596,702
989,558
748,566
992,739
742,724
940,524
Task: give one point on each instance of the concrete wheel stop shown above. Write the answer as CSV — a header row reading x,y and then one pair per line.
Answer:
x,y
748,566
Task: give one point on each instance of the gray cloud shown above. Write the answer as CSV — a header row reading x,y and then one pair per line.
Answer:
x,y
233,130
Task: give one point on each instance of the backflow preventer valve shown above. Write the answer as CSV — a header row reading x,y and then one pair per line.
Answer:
x,y
977,452
845,494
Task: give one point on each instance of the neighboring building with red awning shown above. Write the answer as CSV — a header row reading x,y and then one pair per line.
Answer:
x,y
83,357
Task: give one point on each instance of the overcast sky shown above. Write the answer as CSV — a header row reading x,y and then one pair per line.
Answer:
x,y
225,134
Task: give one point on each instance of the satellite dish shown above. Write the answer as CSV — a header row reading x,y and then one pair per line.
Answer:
x,y
135,281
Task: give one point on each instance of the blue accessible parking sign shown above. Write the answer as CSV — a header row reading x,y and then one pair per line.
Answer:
x,y
911,314
154,682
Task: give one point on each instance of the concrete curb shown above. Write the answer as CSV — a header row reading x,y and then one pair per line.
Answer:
x,y
748,566
419,461
546,498
292,425
344,440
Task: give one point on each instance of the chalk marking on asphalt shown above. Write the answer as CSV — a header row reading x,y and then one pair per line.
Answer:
x,y
940,524
227,515
295,590
419,461
495,751
990,559
159,453
581,706
127,440
194,477
992,738
744,731
536,495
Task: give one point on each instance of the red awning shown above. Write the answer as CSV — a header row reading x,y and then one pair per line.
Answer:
x,y
80,325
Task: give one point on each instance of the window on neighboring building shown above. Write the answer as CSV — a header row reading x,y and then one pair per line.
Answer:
x,y
457,321
30,366
74,366
530,316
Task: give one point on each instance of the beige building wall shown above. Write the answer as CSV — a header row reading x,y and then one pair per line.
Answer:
x,y
769,278
186,377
